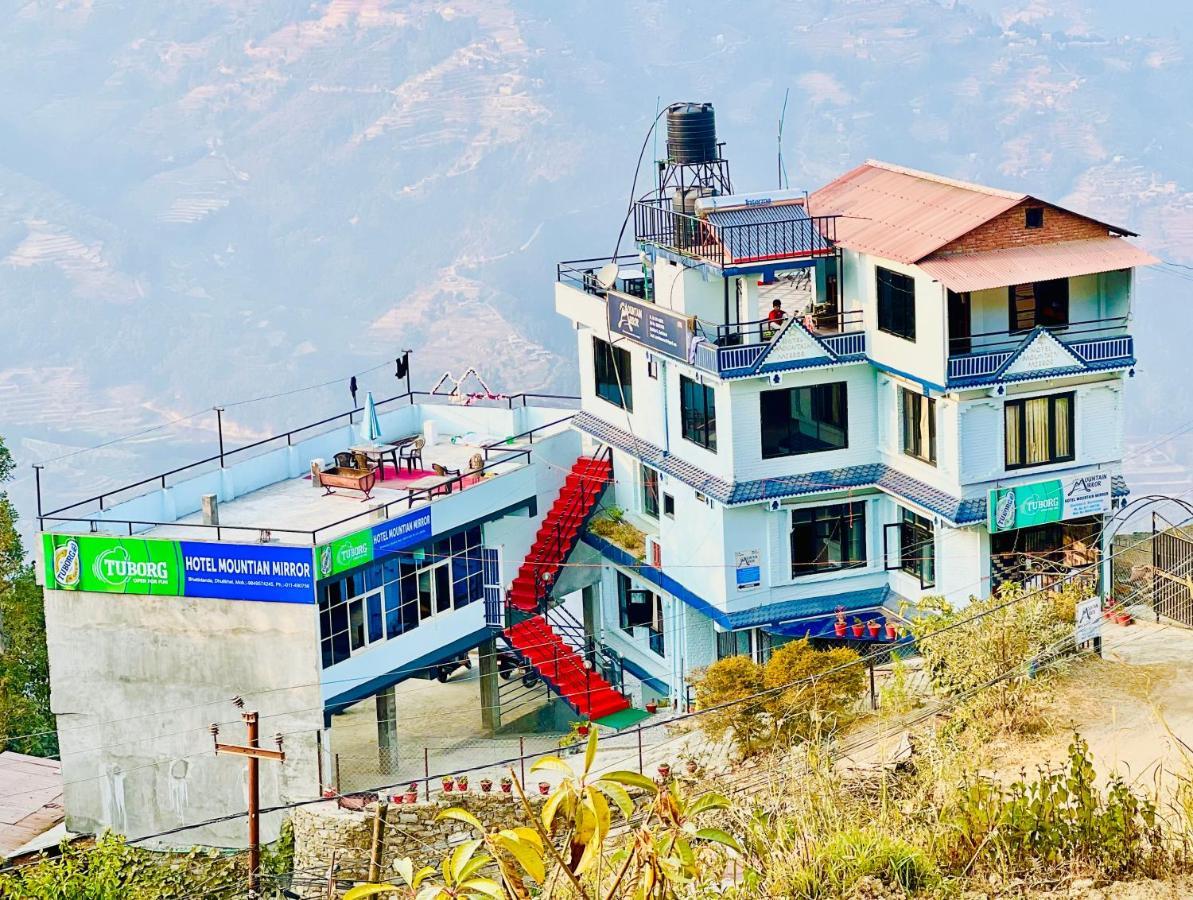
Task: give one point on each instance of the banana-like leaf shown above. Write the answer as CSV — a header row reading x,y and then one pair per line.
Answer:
x,y
530,835
459,859
369,890
461,815
405,868
590,751
554,763
529,856
600,809
717,836
705,802
551,807
485,887
617,794
473,866
631,779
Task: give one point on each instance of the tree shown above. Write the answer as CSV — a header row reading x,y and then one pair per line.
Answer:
x,y
823,684
26,723
729,682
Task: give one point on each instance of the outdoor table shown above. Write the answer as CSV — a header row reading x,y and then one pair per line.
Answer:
x,y
379,452
427,484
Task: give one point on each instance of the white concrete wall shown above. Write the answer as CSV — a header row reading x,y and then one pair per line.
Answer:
x,y
136,681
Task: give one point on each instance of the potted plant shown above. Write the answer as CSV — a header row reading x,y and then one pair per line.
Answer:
x,y
664,770
544,788
582,729
691,765
652,707
395,799
507,784
857,627
329,793
873,627
411,795
1122,617
892,630
839,625
448,784
461,783
486,785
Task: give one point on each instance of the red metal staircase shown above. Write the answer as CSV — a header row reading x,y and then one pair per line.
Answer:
x,y
558,662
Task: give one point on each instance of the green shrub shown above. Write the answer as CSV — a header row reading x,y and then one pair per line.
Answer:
x,y
726,681
824,685
845,858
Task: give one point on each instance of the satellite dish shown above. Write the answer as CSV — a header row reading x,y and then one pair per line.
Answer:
x,y
607,276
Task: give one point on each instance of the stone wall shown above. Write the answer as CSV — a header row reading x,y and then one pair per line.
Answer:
x,y
324,829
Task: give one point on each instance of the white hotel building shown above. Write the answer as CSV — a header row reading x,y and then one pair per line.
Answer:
x,y
944,344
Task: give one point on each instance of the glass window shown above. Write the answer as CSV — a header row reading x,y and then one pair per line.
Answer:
x,y
613,378
804,420
650,492
896,303
356,623
376,622
668,506
1039,431
733,643
824,538
919,425
917,548
639,608
698,411
1042,303
443,590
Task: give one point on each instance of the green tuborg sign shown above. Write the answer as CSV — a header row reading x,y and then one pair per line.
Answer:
x,y
113,565
1043,502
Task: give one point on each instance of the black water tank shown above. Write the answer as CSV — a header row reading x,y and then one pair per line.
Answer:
x,y
691,133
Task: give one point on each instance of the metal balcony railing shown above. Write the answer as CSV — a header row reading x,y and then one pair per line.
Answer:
x,y
1093,341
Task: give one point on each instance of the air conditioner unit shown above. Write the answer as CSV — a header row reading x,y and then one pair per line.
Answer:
x,y
654,552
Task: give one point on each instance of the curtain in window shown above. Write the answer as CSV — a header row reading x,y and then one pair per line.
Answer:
x,y
1014,425
1035,412
1064,438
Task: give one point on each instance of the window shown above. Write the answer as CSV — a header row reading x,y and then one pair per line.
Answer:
x,y
804,420
668,506
698,410
896,304
639,608
394,595
613,381
919,425
650,492
1039,431
1040,303
733,643
1033,217
825,538
917,548
652,368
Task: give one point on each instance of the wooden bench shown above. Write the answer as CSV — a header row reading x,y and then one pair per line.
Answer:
x,y
350,479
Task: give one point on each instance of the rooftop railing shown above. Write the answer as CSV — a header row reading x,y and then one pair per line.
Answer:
x,y
800,236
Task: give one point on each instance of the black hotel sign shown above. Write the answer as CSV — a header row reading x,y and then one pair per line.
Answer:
x,y
659,329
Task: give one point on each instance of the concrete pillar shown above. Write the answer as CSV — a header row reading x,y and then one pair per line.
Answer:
x,y
592,613
490,687
387,731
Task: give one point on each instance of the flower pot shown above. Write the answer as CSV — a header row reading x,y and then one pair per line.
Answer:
x,y
461,786
448,784
410,797
1123,618
839,628
873,628
652,707
582,730
857,630
665,770
506,788
544,788
329,793
892,631
486,785
396,799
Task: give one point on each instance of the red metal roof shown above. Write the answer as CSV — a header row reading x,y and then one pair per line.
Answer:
x,y
1037,262
904,214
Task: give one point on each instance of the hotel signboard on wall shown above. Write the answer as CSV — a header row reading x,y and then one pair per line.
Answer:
x,y
659,329
368,544
132,565
1043,502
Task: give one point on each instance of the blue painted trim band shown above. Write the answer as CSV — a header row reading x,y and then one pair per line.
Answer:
x,y
655,684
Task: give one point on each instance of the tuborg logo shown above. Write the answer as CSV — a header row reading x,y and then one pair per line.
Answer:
x,y
113,567
66,564
350,553
1004,513
325,561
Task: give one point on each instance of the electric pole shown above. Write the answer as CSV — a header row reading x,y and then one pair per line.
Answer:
x,y
255,754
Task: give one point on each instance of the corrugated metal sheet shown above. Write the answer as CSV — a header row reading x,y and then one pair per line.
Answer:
x,y
30,798
777,231
904,215
1038,262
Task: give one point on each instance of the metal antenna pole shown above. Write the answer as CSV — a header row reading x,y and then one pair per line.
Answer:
x,y
255,754
219,422
37,484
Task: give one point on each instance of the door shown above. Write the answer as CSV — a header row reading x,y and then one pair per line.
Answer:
x,y
959,324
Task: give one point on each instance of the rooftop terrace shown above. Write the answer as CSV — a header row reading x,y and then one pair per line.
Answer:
x,y
265,491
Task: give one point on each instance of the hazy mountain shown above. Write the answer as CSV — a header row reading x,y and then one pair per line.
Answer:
x,y
209,202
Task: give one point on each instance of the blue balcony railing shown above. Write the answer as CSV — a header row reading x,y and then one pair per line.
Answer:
x,y
1098,342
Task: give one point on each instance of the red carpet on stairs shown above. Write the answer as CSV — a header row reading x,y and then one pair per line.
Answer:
x,y
561,665
561,526
554,659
